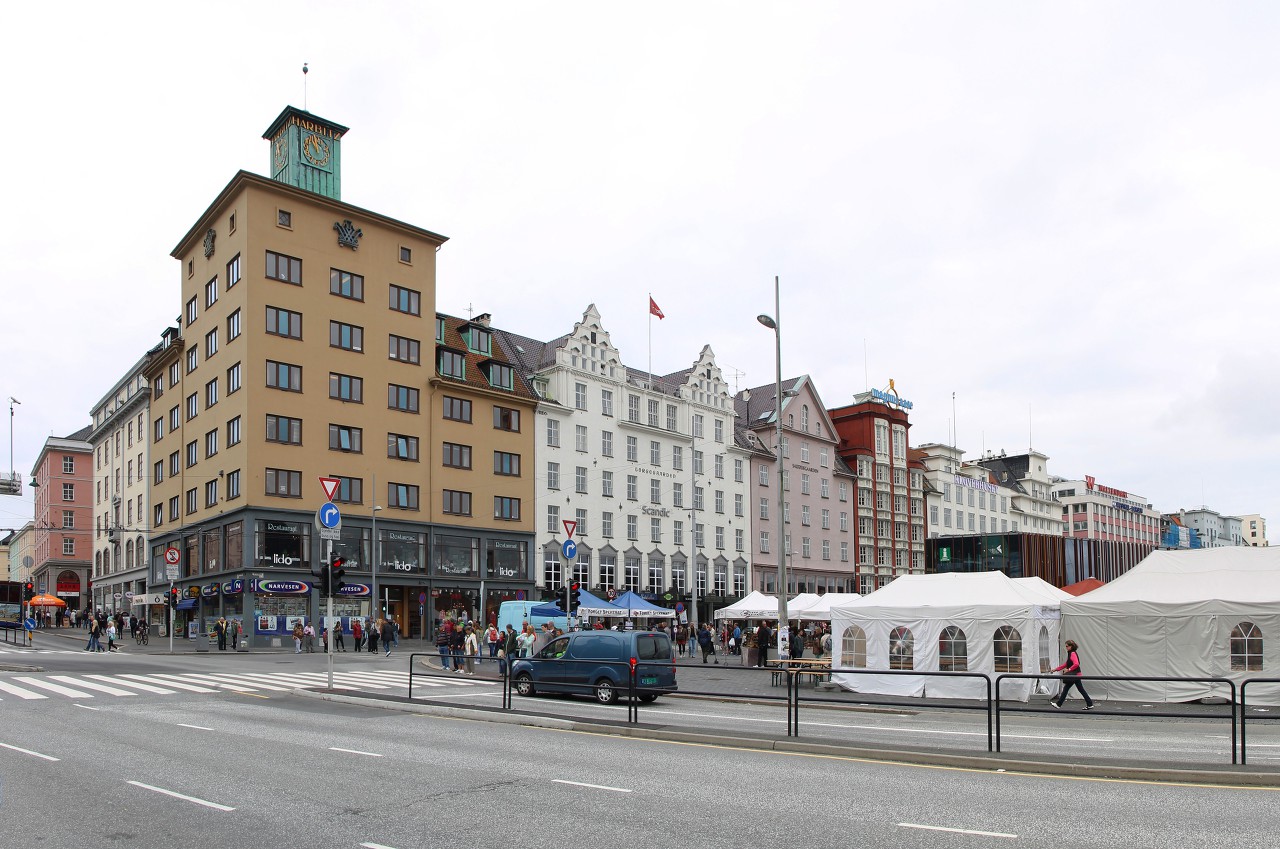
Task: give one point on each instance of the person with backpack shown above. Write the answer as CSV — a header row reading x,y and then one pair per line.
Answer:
x,y
491,637
371,636
1070,669
706,643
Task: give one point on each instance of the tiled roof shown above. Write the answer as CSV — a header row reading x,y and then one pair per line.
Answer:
x,y
475,375
762,403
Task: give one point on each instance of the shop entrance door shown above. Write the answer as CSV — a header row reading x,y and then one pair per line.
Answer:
x,y
395,608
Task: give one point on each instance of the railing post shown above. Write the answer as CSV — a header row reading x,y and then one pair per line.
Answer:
x,y
1243,722
995,704
411,657
987,678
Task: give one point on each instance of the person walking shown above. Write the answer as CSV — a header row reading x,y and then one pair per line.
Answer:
x,y
471,646
388,634
1070,669
371,636
443,636
339,643
111,636
309,632
763,636
491,637
357,634
297,637
95,637
706,643
237,631
220,628
457,647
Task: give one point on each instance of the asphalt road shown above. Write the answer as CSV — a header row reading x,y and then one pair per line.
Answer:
x,y
269,768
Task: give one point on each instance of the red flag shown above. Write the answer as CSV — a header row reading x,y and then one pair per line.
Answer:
x,y
653,308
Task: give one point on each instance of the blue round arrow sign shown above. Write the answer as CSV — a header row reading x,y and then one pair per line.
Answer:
x,y
329,516
569,549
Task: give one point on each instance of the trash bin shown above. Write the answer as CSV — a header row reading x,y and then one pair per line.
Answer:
x,y
202,641
753,656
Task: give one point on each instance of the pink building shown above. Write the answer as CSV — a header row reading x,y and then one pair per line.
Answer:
x,y
63,481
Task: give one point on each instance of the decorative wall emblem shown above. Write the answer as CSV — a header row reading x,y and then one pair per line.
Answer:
x,y
349,235
208,242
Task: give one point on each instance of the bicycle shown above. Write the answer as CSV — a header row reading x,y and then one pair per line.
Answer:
x,y
143,636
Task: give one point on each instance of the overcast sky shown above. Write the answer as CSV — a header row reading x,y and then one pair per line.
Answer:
x,y
1065,214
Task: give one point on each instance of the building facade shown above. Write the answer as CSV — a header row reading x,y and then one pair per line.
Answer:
x,y
1091,510
1254,530
1032,508
1215,529
964,499
63,545
121,460
890,522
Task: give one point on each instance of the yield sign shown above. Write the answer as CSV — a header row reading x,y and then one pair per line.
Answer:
x,y
330,487
570,525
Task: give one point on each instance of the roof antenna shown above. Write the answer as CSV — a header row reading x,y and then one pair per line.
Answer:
x,y
304,86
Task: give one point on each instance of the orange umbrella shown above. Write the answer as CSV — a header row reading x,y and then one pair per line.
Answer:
x,y
46,600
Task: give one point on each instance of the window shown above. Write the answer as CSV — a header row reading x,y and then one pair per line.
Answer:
x,y
456,503
403,349
457,456
553,519
284,376
210,443
764,508
1246,647
402,447
580,438
553,433
233,432
233,269
233,484
451,364
506,508
211,493
175,419
191,311
580,480
677,458
901,648
953,650
655,530
193,358
406,255
580,396
403,398
853,648
211,293
479,340
284,430
606,484
652,406
457,409
764,475
677,494
697,426
505,463
632,528
1008,649
697,462
284,483
233,326
500,375
346,285
606,402
677,533
211,393
193,405
655,491
764,542
403,496
284,218
349,491
606,530
405,300
211,343
606,443
346,336
505,418
553,475
633,449
632,488
286,269
345,438
738,504
737,470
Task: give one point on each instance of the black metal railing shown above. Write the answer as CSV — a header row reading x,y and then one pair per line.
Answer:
x,y
1244,685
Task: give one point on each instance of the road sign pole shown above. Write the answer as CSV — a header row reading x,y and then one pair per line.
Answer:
x,y
329,616
172,613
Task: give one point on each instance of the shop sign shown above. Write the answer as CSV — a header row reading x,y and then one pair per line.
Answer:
x,y
354,590
209,590
233,587
282,587
975,483
193,592
1091,482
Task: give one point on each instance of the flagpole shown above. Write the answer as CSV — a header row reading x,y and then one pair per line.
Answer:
x,y
650,340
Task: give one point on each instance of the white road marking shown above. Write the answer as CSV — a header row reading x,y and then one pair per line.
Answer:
x,y
101,688
375,846
236,679
354,752
592,786
29,752
958,830
182,796
146,688
191,688
203,679
20,692
196,727
54,688
86,707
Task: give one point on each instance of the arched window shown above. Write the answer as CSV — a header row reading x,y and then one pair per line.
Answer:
x,y
953,650
791,420
1046,662
1246,647
804,418
128,554
853,648
1008,646
106,562
902,647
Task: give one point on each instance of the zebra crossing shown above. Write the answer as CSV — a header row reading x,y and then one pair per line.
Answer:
x,y
33,687
7,650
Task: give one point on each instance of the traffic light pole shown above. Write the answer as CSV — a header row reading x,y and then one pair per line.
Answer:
x,y
328,564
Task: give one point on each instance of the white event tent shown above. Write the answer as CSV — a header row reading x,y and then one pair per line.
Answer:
x,y
1211,613
947,621
821,610
754,605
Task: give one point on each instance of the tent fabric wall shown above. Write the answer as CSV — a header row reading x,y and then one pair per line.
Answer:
x,y
1172,616
977,603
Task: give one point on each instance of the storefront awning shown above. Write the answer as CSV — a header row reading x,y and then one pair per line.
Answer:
x,y
187,603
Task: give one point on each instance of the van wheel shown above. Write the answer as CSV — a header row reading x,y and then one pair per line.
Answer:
x,y
524,684
649,697
605,692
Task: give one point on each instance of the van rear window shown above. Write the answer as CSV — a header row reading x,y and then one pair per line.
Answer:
x,y
653,647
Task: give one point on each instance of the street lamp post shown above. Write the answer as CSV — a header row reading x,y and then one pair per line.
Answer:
x,y
373,584
774,323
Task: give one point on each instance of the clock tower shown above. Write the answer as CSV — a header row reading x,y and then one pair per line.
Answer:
x,y
306,151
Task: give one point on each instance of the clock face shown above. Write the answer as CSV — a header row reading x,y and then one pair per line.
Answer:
x,y
281,149
316,150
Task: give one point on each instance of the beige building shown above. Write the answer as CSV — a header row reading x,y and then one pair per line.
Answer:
x,y
306,352
1253,529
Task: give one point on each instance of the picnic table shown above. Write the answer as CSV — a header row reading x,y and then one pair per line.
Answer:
x,y
816,668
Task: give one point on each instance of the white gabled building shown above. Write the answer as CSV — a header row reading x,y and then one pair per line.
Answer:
x,y
646,465
966,499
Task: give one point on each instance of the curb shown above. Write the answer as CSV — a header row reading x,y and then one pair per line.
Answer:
x,y
995,763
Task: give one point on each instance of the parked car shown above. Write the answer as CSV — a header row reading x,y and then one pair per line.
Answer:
x,y
598,663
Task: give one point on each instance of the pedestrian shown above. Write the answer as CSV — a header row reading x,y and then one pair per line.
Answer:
x,y
737,638
797,644
324,638
443,637
95,635
763,636
339,644
220,628
237,629
1070,670
457,647
111,637
388,634
357,634
371,636
471,647
297,636
309,634
707,643
491,637
682,638
526,640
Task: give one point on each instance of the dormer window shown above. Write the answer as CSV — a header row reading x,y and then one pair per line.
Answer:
x,y
452,364
501,375
479,340
439,329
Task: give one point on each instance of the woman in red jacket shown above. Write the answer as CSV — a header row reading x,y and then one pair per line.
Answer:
x,y
1071,669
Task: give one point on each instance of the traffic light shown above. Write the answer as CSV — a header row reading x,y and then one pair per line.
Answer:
x,y
28,591
337,570
171,600
575,597
321,573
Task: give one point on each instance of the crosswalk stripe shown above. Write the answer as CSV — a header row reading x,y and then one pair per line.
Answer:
x,y
240,679
20,692
303,679
156,679
102,688
54,688
146,688
203,680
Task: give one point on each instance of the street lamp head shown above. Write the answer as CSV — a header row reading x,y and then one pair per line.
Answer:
x,y
377,507
767,321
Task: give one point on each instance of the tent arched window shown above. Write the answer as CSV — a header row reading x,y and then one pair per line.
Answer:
x,y
1046,662
902,646
1008,649
853,648
953,650
1246,647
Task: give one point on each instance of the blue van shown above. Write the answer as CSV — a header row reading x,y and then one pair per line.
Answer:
x,y
598,663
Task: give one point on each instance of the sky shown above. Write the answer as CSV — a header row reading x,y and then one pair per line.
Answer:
x,y
1063,215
